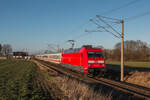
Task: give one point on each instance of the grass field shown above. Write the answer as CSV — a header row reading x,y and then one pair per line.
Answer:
x,y
23,80
131,64
17,81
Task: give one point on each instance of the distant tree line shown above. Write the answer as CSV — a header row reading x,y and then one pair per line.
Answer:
x,y
5,49
133,51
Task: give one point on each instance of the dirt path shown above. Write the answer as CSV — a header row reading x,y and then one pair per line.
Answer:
x,y
45,68
68,88
64,87
45,80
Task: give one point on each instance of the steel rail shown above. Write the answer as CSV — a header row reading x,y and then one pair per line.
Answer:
x,y
122,86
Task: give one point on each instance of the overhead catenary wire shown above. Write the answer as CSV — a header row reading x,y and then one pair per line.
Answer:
x,y
108,25
112,10
137,16
104,29
117,21
99,26
120,7
109,18
81,35
93,30
112,23
108,12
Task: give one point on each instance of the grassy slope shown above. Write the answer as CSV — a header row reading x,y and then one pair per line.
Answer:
x,y
16,81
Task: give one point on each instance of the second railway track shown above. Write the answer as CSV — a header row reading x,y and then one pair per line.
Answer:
x,y
121,86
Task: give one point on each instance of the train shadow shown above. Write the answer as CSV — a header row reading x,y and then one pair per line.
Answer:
x,y
127,68
113,71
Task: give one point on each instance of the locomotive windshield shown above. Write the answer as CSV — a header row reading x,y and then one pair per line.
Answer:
x,y
94,54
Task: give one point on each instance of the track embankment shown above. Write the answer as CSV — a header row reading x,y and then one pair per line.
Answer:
x,y
127,91
65,87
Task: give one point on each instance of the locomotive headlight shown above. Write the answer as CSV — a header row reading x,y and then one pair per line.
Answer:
x,y
101,61
91,61
102,64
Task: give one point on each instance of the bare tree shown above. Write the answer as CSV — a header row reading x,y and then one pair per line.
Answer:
x,y
6,49
134,50
0,49
108,54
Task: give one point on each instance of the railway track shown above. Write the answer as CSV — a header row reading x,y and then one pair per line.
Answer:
x,y
135,90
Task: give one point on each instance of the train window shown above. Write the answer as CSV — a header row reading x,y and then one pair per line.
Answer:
x,y
94,54
72,50
45,56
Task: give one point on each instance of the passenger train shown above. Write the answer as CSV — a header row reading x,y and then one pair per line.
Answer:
x,y
87,59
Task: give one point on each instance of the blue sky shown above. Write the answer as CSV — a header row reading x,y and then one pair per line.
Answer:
x,y
33,24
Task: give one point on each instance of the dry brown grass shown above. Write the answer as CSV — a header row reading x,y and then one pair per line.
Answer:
x,y
72,89
140,78
77,90
63,87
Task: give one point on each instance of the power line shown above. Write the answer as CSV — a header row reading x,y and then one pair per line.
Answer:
x,y
105,29
127,19
110,11
112,22
120,7
137,16
109,18
108,25
81,35
99,26
93,31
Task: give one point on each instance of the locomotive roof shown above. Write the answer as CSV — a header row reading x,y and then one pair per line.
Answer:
x,y
72,50
76,50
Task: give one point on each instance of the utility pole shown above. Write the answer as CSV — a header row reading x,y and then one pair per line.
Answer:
x,y
122,50
118,35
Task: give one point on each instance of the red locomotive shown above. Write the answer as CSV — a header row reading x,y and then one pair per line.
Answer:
x,y
86,59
